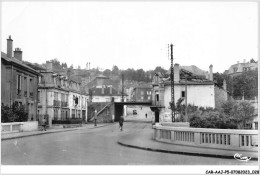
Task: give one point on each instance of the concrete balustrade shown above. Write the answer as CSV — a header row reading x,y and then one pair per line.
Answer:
x,y
19,126
211,138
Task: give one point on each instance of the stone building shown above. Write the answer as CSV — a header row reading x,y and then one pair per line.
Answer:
x,y
60,98
197,90
19,82
104,93
142,94
239,68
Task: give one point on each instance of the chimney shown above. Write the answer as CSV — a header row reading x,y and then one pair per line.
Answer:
x,y
110,90
211,72
103,91
18,54
49,66
176,72
224,84
9,47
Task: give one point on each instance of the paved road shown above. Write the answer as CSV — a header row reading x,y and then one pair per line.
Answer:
x,y
94,147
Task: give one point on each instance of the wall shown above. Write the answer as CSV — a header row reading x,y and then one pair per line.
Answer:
x,y
19,126
199,95
221,96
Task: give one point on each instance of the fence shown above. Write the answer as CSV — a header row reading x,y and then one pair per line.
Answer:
x,y
204,137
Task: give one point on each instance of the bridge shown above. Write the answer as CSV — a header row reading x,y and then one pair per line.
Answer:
x,y
119,107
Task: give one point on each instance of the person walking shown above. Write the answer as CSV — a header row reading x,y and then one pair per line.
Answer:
x,y
44,124
121,122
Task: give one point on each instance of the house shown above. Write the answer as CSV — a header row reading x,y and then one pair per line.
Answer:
x,y
238,68
105,93
60,98
142,94
194,89
19,82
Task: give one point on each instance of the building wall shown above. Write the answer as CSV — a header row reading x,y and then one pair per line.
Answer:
x,y
142,94
221,96
199,95
27,94
106,98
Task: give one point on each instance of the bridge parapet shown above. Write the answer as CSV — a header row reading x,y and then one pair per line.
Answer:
x,y
246,140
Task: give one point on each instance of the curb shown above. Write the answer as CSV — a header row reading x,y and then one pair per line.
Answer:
x,y
36,134
181,152
51,132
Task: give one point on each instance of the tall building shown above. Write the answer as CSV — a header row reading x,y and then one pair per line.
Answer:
x,y
60,98
19,82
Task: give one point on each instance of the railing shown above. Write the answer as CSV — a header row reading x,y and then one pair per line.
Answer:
x,y
205,137
56,103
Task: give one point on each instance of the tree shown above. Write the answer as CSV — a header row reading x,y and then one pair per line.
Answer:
x,y
107,72
160,69
115,70
71,66
15,113
246,85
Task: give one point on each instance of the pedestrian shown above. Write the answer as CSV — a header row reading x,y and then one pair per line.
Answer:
x,y
95,117
146,115
44,123
121,122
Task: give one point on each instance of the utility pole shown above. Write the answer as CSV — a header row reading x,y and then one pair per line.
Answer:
x,y
172,86
186,102
122,88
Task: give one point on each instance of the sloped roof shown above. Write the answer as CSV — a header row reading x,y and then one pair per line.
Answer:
x,y
184,74
17,62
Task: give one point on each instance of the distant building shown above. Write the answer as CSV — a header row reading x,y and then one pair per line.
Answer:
x,y
142,94
19,82
238,68
104,93
60,98
200,91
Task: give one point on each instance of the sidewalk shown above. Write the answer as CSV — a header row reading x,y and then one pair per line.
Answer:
x,y
13,135
143,140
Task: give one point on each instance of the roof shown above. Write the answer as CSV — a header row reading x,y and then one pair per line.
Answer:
x,y
192,79
98,92
18,63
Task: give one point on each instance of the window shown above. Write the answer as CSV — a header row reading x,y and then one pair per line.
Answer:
x,y
148,98
39,96
19,84
183,94
235,69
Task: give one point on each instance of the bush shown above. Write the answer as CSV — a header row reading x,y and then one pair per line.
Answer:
x,y
15,113
68,121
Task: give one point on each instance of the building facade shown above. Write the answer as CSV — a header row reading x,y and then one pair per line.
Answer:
x,y
19,82
142,94
194,90
238,68
105,94
60,98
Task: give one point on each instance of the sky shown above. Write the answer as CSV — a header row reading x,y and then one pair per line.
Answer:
x,y
133,34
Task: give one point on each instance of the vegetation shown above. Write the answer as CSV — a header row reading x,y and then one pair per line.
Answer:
x,y
233,115
244,84
15,113
68,121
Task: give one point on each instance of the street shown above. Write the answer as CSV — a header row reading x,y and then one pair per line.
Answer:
x,y
96,146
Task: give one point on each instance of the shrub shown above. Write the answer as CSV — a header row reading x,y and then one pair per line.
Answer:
x,y
15,113
68,121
